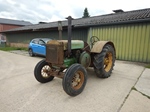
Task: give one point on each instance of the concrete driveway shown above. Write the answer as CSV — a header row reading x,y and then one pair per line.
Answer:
x,y
20,92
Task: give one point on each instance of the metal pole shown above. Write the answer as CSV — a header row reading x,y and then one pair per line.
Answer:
x,y
69,33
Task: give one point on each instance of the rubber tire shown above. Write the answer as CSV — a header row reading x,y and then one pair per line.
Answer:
x,y
67,79
37,72
30,51
99,62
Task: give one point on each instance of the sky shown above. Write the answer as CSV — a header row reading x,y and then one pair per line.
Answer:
x,y
36,11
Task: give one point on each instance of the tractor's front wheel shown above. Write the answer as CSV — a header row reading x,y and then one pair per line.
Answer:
x,y
104,61
74,79
42,72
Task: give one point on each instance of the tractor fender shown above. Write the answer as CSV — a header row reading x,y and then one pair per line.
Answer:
x,y
98,46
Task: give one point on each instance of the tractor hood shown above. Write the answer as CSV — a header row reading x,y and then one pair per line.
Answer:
x,y
75,44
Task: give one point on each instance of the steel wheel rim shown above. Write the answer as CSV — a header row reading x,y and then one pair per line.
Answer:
x,y
108,61
77,80
45,71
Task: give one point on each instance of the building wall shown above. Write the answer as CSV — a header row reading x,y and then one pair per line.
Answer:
x,y
132,41
26,37
7,27
4,27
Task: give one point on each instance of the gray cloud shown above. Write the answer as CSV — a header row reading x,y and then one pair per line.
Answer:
x,y
25,10
54,10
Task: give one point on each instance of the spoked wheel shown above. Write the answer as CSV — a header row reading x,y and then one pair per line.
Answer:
x,y
42,72
93,40
74,79
104,62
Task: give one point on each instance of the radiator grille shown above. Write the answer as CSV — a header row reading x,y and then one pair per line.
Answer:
x,y
54,54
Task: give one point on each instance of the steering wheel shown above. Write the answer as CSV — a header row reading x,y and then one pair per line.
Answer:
x,y
93,39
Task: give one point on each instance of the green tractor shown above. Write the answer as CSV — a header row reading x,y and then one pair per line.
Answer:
x,y
68,59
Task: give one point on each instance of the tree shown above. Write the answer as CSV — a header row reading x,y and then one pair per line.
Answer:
x,y
85,13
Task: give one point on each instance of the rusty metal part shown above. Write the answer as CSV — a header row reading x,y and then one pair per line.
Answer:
x,y
55,52
56,73
49,70
77,80
98,46
86,47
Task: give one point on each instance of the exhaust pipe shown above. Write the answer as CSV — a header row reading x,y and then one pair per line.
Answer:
x,y
69,33
60,29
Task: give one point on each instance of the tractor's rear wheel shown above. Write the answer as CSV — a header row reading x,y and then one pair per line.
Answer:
x,y
74,79
104,61
42,72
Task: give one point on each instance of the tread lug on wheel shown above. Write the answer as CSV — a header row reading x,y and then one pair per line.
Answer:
x,y
74,79
41,72
104,61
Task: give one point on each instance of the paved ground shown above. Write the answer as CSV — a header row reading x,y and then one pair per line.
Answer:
x,y
20,92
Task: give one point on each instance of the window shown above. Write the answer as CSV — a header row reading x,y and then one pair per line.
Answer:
x,y
35,41
41,42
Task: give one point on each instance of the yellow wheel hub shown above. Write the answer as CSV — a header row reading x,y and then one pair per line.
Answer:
x,y
108,61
